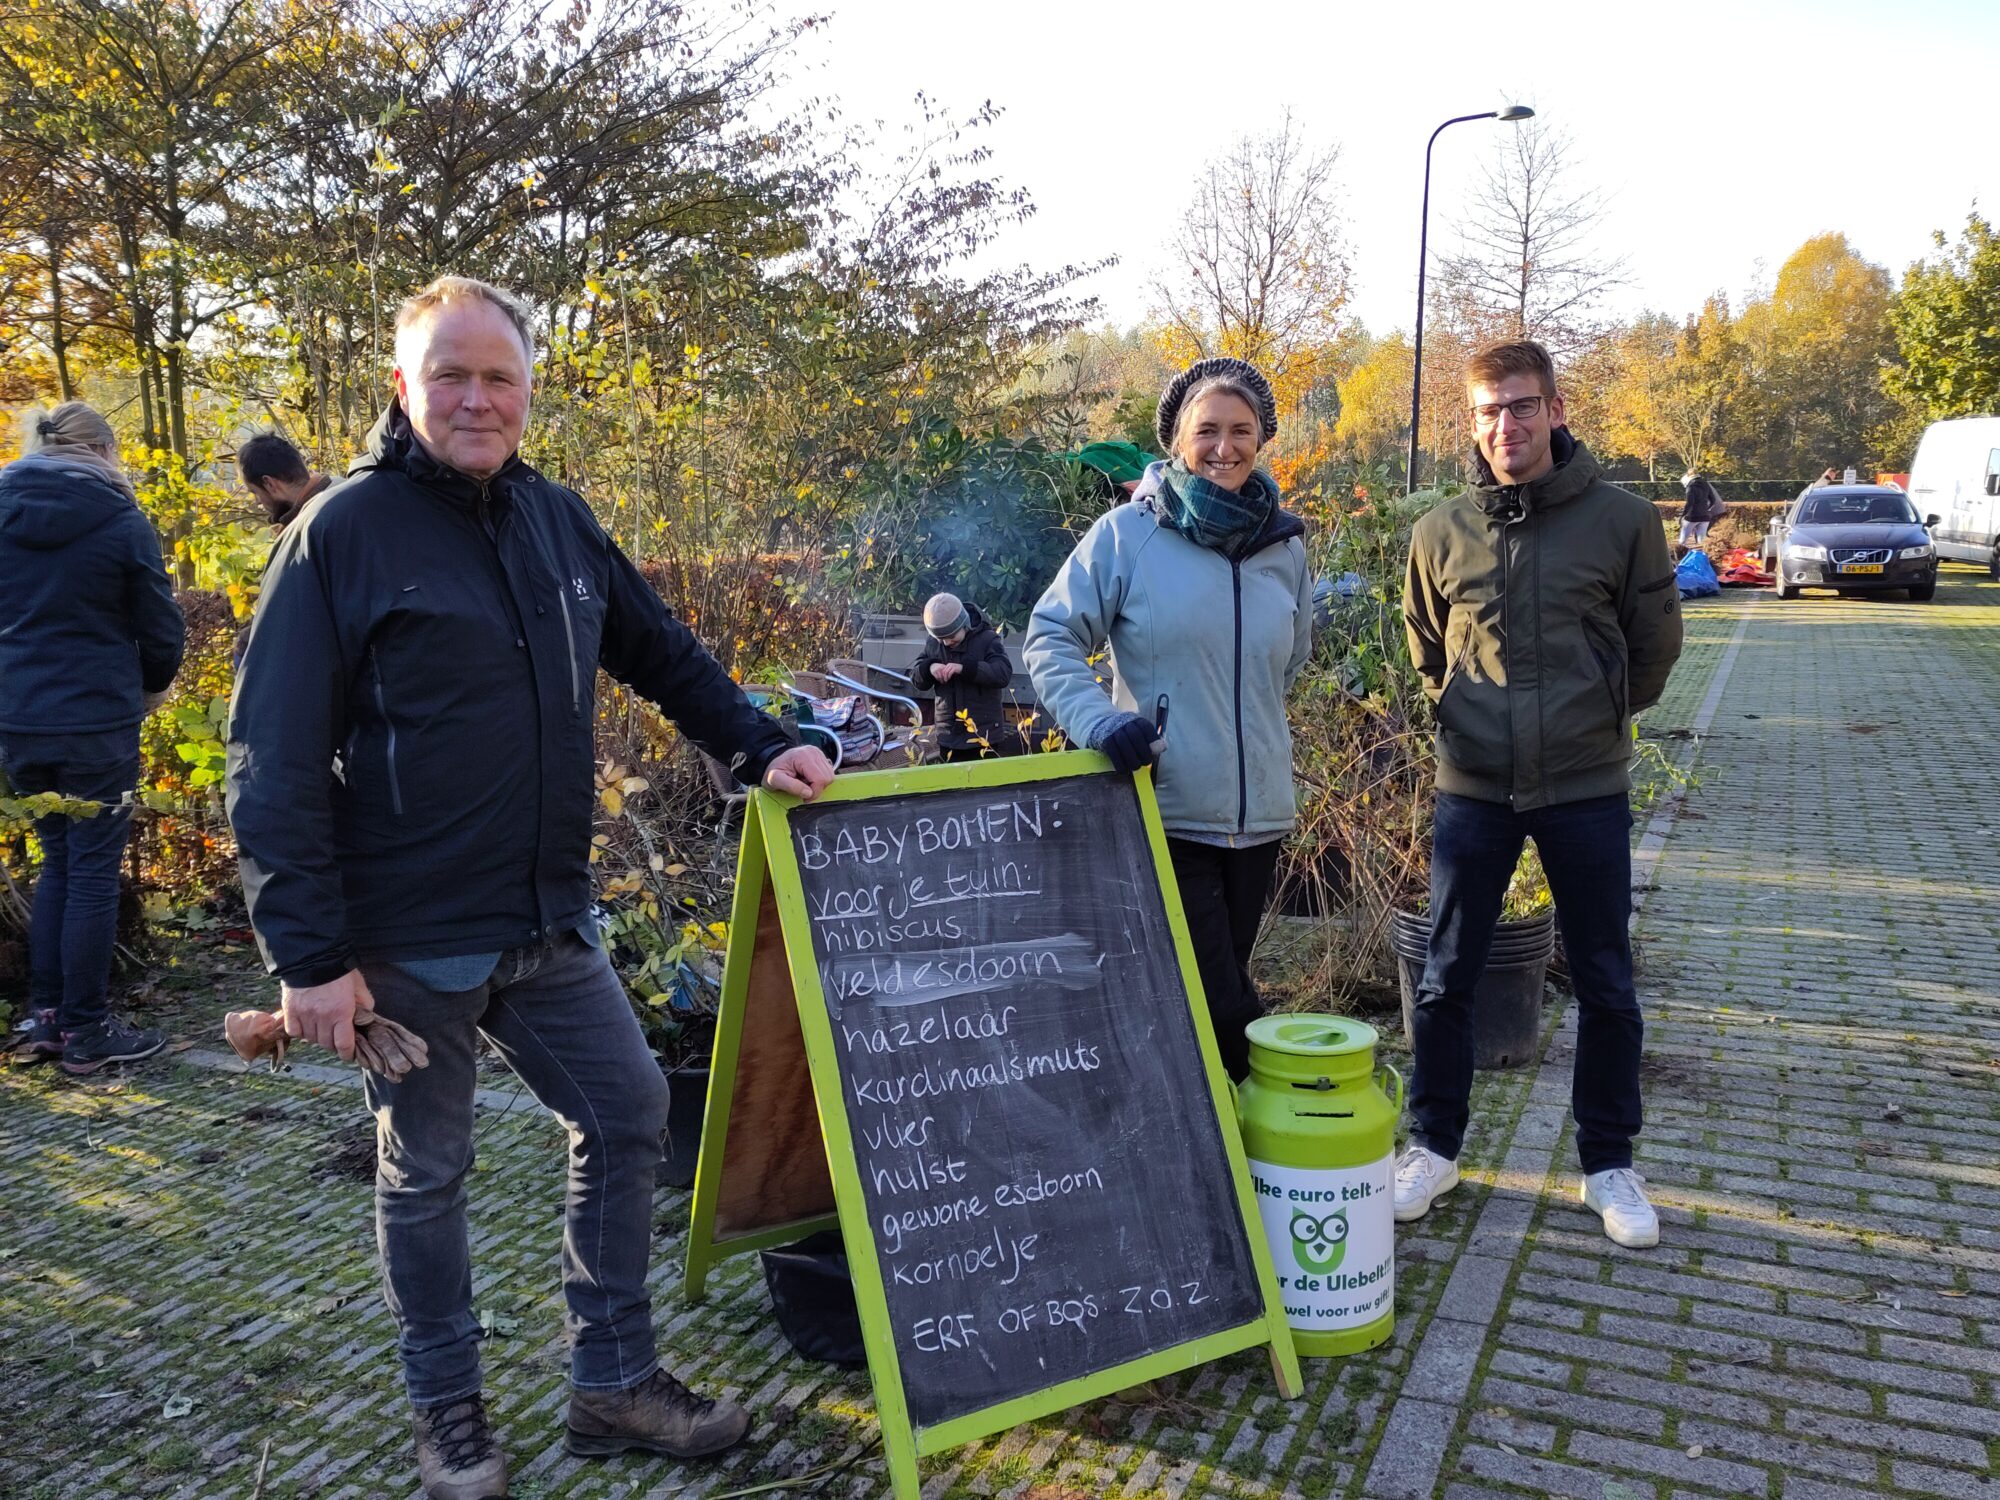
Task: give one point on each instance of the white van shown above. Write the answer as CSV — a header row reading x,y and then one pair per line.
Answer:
x,y
1956,477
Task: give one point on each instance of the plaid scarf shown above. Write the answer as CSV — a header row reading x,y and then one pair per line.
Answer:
x,y
1208,515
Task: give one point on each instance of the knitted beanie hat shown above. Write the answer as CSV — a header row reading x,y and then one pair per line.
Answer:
x,y
944,615
1205,369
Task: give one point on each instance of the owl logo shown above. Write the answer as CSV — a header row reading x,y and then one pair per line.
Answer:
x,y
1319,1245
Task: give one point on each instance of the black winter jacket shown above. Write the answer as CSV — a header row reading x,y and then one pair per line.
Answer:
x,y
410,744
88,623
1704,503
975,692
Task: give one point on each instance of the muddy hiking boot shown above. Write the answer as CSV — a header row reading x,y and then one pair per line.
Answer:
x,y
109,1041
457,1458
658,1415
44,1041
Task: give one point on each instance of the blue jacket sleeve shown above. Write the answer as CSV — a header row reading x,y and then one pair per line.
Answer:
x,y
154,617
286,719
650,651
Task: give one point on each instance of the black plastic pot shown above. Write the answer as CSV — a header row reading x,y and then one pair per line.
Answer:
x,y
813,1296
687,1099
1507,1001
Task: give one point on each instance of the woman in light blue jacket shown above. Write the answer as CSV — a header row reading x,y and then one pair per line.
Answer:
x,y
1201,590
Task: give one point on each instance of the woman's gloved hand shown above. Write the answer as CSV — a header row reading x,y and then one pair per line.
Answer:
x,y
1129,740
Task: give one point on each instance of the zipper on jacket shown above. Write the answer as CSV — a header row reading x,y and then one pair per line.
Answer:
x,y
389,725
1242,768
569,634
1507,638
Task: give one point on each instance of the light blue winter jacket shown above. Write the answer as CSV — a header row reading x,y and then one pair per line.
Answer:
x,y
1222,640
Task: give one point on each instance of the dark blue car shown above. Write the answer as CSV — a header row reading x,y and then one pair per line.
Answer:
x,y
1857,538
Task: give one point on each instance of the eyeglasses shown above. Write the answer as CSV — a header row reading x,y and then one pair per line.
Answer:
x,y
1524,409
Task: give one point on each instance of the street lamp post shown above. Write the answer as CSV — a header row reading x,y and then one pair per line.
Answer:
x,y
1513,112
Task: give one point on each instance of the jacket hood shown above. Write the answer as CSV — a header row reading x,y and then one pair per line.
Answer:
x,y
393,445
1281,525
1575,471
46,502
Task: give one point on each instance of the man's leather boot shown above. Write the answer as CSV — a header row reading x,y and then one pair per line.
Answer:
x,y
456,1455
658,1415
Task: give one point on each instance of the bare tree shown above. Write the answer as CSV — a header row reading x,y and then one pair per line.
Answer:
x,y
1260,266
1529,263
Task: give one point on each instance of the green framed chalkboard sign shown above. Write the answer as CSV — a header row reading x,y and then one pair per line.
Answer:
x,y
961,1019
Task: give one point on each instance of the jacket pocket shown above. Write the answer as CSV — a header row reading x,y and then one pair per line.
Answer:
x,y
1584,700
388,735
1609,655
1475,732
569,640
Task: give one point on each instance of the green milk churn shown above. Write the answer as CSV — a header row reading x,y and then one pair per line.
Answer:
x,y
1319,1127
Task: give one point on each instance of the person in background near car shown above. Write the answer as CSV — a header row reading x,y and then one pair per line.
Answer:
x,y
1831,476
435,626
965,663
90,640
1542,615
1200,587
1702,509
275,472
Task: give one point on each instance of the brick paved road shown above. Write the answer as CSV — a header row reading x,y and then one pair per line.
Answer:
x,y
185,1269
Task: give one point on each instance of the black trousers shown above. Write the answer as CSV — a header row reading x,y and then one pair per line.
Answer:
x,y
1223,892
1587,851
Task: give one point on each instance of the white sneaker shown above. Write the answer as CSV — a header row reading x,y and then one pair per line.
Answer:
x,y
1422,1177
1619,1196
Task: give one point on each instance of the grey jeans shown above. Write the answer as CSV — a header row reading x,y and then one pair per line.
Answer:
x,y
559,1016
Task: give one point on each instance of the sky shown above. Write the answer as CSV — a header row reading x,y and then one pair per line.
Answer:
x,y
1722,134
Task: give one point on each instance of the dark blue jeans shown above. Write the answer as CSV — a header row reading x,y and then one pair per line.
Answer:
x,y
75,924
559,1016
1587,853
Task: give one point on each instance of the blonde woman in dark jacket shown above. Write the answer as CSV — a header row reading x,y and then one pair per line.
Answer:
x,y
90,639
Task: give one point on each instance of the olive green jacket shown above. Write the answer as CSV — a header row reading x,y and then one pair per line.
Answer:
x,y
1541,617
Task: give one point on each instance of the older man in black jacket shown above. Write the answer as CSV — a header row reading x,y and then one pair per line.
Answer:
x,y
410,779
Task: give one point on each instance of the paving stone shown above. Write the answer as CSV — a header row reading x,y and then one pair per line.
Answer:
x,y
1446,1359
1472,1294
1677,1396
1954,1484
1783,1453
1540,1476
1882,1437
1800,1487
1529,1367
1512,1430
1882,1372
1611,1416
1412,1448
1958,1415
1668,1463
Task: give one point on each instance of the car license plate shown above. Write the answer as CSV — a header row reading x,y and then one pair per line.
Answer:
x,y
1860,567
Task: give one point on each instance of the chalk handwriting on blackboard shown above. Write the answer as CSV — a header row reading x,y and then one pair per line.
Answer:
x,y
1044,1176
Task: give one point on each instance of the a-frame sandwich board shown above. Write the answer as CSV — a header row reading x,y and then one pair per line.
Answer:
x,y
780,1157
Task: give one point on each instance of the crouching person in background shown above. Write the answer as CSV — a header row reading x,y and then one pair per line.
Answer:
x,y
431,629
965,663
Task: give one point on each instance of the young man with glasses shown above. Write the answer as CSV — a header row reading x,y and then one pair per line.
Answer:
x,y
1542,615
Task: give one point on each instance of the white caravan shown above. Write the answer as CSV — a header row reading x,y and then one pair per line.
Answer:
x,y
1956,477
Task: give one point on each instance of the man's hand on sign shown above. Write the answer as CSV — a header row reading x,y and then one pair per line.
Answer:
x,y
324,1013
944,671
800,772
